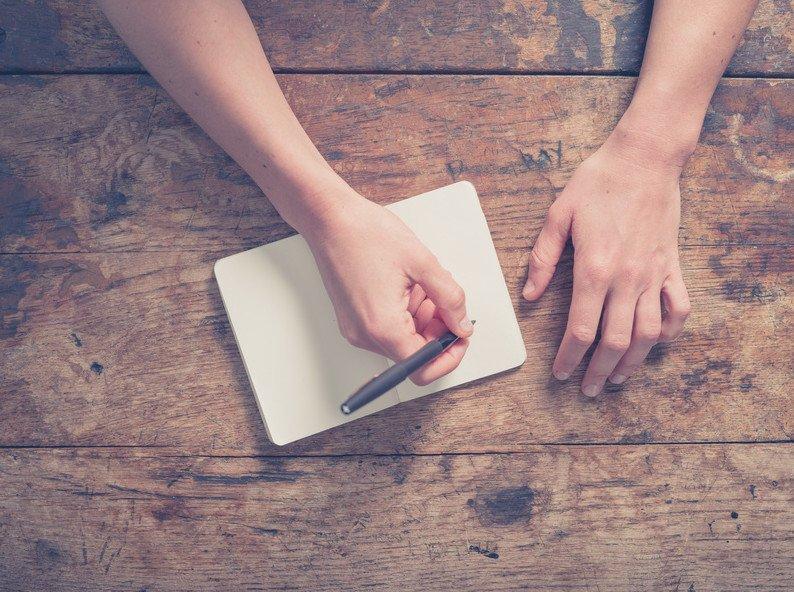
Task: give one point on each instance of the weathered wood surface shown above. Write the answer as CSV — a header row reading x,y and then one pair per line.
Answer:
x,y
715,517
109,163
135,349
113,207
399,35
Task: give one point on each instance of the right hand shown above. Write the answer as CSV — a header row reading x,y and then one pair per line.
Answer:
x,y
390,294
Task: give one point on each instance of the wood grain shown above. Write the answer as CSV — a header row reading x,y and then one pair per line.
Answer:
x,y
135,349
715,517
109,163
399,35
113,207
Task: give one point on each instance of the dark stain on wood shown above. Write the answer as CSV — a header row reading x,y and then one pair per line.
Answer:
x,y
748,291
276,476
61,234
484,551
172,509
579,41
16,274
504,506
392,88
455,168
32,35
20,204
48,554
746,382
97,368
697,378
657,354
642,437
631,30
114,203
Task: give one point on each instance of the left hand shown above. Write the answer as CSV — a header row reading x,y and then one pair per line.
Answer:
x,y
621,208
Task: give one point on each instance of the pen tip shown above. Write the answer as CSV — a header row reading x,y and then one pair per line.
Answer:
x,y
345,409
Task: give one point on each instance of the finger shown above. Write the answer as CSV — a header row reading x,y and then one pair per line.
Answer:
x,y
586,303
615,339
447,295
415,297
424,315
546,252
676,305
645,334
443,364
397,338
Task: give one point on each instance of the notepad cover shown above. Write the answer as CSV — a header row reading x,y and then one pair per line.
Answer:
x,y
301,368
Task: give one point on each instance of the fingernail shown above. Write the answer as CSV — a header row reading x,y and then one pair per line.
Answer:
x,y
529,287
590,390
466,324
617,379
561,375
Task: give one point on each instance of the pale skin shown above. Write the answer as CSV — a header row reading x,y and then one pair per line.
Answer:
x,y
621,207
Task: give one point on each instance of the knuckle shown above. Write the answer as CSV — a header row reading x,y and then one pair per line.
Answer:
x,y
616,342
556,217
649,333
538,260
582,334
456,296
632,273
685,309
353,337
597,272
427,260
669,334
378,333
660,260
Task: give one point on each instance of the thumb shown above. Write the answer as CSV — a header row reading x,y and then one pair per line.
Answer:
x,y
447,295
546,252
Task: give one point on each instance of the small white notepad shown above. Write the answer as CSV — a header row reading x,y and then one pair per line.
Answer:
x,y
301,368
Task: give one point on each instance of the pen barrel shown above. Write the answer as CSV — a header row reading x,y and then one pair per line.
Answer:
x,y
393,376
422,356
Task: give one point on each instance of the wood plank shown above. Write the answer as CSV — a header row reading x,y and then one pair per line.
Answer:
x,y
109,163
399,35
572,518
135,349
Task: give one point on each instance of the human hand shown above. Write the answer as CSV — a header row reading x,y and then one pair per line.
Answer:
x,y
621,208
390,294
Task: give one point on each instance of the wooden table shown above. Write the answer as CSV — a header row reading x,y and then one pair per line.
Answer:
x,y
133,457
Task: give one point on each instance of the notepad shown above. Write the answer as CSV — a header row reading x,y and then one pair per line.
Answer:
x,y
301,368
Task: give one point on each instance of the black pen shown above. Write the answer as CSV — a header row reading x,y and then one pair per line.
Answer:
x,y
387,380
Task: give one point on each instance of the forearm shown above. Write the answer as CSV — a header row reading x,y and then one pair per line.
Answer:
x,y
207,55
689,46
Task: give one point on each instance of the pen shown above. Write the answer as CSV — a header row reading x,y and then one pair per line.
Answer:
x,y
387,380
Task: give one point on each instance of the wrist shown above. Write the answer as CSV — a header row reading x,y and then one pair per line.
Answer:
x,y
321,204
308,197
661,126
651,143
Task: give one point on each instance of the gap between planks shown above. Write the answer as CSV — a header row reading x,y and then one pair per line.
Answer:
x,y
188,454
387,72
221,251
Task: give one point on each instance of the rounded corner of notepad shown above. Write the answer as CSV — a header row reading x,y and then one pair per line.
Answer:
x,y
468,186
218,267
277,439
522,357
